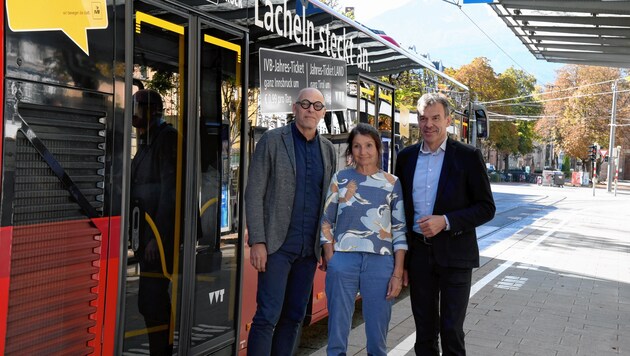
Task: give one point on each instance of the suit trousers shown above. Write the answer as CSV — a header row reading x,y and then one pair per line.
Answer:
x,y
439,298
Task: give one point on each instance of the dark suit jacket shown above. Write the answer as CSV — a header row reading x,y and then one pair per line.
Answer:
x,y
463,195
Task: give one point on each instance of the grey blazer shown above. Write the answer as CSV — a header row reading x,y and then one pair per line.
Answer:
x,y
271,187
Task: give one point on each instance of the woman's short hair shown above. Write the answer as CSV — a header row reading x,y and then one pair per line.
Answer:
x,y
365,130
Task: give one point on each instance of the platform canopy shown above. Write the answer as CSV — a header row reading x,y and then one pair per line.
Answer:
x,y
571,31
385,55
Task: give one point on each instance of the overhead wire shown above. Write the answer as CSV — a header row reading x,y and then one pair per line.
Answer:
x,y
491,40
507,117
485,34
548,92
563,98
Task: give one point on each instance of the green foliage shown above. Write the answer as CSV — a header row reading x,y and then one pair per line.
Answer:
x,y
566,165
408,88
504,137
525,136
507,137
162,82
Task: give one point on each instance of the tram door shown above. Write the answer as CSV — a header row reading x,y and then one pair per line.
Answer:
x,y
181,278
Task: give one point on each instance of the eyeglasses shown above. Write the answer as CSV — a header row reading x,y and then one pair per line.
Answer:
x,y
305,104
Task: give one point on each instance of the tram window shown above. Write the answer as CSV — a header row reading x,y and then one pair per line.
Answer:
x,y
342,122
465,125
482,123
334,123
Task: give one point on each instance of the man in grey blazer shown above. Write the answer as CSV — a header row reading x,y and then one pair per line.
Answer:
x,y
288,178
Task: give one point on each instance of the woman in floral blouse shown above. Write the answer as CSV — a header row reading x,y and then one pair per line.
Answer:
x,y
363,237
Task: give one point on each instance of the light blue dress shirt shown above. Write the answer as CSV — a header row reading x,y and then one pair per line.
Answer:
x,y
425,182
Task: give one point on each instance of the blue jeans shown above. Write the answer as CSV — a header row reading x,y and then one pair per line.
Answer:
x,y
284,290
369,274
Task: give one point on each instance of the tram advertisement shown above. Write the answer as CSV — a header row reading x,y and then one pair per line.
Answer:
x,y
284,74
73,17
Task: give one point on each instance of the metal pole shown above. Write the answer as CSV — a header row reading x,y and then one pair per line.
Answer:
x,y
613,121
616,171
472,126
594,175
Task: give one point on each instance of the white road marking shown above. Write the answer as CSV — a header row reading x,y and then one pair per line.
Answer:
x,y
407,345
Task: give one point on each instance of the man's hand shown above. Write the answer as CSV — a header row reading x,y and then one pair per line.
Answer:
x,y
431,225
258,256
394,287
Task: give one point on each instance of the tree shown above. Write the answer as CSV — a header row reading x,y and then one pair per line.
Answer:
x,y
578,109
480,79
507,137
161,81
504,139
526,134
519,85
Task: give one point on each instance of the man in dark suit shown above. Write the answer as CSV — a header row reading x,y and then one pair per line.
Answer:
x,y
447,195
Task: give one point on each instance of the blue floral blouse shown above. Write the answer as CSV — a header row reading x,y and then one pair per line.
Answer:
x,y
364,213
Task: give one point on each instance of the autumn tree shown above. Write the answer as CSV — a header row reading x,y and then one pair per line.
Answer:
x,y
578,109
480,78
507,137
519,86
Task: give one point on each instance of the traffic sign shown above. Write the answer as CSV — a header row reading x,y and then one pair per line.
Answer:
x,y
603,153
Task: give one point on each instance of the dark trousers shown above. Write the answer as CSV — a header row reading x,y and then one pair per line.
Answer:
x,y
154,303
439,298
284,290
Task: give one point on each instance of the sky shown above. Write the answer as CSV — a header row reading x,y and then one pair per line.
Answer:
x,y
444,32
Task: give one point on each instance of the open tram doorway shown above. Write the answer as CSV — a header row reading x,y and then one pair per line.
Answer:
x,y
181,277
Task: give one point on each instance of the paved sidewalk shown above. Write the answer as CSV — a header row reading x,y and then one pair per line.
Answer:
x,y
566,292
559,286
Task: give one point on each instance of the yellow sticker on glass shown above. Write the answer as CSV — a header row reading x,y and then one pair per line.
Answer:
x,y
72,17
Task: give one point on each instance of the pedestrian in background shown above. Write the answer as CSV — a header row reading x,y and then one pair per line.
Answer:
x,y
447,195
288,176
364,243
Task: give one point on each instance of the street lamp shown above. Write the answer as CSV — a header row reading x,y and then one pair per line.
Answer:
x,y
613,124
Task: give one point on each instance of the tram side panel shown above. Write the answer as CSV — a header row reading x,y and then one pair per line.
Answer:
x,y
56,207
